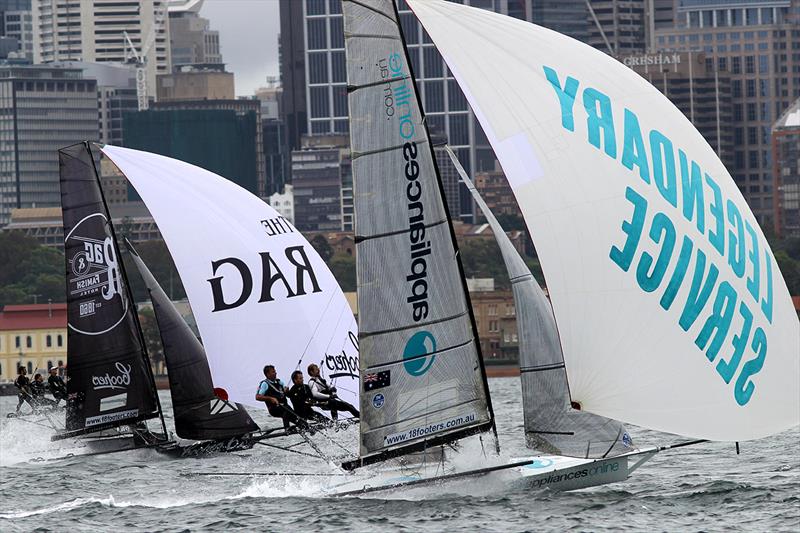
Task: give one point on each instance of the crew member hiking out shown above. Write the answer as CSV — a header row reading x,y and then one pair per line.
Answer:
x,y
57,386
325,395
272,392
23,384
302,400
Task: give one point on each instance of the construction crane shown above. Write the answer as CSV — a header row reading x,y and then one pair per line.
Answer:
x,y
139,58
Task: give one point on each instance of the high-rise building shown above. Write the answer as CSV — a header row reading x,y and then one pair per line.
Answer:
x,y
42,109
283,202
16,22
758,45
101,32
321,176
570,17
312,43
196,82
192,41
786,157
277,155
223,136
618,27
696,87
291,52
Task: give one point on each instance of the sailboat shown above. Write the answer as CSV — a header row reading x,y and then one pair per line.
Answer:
x,y
638,331
110,386
260,294
210,421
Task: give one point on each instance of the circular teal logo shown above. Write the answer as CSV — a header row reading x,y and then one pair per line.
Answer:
x,y
420,344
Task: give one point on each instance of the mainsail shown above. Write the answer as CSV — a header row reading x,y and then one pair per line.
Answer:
x,y
421,369
671,310
551,424
199,414
110,380
259,291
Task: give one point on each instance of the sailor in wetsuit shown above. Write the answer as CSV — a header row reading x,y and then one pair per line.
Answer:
x,y
325,395
23,384
272,392
302,399
57,386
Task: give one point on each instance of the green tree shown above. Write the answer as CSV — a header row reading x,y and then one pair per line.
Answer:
x,y
29,271
320,244
343,267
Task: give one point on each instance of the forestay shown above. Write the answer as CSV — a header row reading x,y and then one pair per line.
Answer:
x,y
259,291
551,424
110,382
423,379
199,414
671,310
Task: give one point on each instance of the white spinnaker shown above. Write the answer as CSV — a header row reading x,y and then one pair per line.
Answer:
x,y
627,356
205,218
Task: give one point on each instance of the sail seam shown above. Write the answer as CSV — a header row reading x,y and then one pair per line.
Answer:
x,y
360,238
410,326
353,88
427,354
542,368
369,36
544,432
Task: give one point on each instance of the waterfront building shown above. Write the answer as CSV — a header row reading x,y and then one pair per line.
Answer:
x,y
496,321
95,32
570,17
786,172
321,175
758,46
33,336
618,27
42,109
196,82
277,154
283,202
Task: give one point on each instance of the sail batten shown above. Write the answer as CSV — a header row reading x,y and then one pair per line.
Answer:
x,y
422,376
671,311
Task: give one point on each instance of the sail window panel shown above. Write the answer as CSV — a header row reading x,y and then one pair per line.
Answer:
x,y
386,348
381,188
410,28
315,7
335,6
318,67
456,101
414,58
459,130
387,301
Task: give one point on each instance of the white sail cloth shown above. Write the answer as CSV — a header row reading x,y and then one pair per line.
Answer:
x,y
259,291
671,310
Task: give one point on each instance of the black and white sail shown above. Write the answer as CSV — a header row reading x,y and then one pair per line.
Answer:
x,y
199,413
551,424
110,380
423,380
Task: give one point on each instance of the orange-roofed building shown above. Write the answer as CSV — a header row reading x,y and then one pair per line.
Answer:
x,y
34,336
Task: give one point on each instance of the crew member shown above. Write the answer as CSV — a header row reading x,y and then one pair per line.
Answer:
x,y
57,386
325,395
23,384
272,392
302,400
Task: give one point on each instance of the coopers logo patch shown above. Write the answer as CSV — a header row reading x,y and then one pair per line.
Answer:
x,y
97,297
418,353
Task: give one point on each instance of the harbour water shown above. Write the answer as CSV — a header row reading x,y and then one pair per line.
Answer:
x,y
698,488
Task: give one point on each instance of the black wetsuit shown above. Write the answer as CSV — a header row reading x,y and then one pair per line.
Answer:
x,y
302,400
57,387
326,398
274,389
23,384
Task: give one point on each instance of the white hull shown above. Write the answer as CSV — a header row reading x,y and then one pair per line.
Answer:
x,y
553,472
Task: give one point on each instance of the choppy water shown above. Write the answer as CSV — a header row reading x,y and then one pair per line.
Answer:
x,y
701,488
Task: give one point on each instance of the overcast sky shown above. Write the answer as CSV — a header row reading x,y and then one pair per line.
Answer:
x,y
248,37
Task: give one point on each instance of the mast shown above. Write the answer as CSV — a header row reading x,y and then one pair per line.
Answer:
x,y
111,382
423,380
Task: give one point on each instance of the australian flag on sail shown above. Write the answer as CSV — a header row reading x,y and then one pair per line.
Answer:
x,y
377,380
